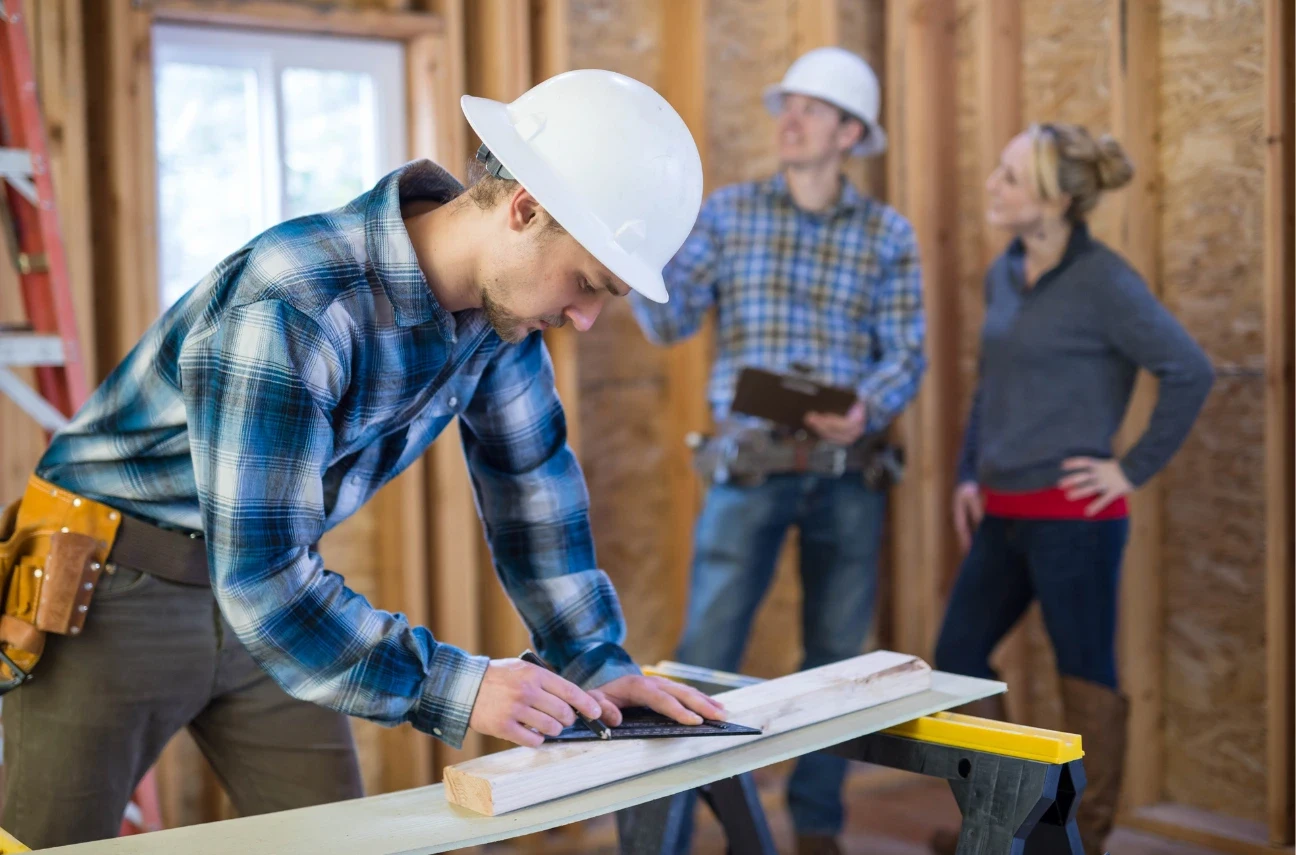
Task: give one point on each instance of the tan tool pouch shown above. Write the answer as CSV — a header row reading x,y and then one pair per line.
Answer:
x,y
54,546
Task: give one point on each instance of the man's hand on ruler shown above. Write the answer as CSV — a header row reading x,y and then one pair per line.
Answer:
x,y
519,702
682,703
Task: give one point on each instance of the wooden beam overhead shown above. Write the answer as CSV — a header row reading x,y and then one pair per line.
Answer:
x,y
1135,74
295,17
1280,92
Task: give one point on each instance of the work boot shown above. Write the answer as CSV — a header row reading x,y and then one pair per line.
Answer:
x,y
818,844
1099,715
945,841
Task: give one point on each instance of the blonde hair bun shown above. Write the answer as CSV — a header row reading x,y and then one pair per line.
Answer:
x,y
1114,166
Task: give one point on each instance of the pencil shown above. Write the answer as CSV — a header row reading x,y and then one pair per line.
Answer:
x,y
597,727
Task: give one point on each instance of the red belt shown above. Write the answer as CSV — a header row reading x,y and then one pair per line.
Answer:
x,y
1050,504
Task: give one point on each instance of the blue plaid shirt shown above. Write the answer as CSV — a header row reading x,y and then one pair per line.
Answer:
x,y
273,400
838,291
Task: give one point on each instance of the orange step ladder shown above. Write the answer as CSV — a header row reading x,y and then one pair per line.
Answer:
x,y
48,342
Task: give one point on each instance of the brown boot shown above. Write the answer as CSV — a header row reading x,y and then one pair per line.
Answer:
x,y
818,844
1099,715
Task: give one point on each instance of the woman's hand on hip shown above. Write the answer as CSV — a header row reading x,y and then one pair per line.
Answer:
x,y
1103,480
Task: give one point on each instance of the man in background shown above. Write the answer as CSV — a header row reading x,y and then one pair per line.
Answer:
x,y
805,275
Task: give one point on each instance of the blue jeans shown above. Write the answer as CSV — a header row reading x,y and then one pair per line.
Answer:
x,y
1071,566
737,542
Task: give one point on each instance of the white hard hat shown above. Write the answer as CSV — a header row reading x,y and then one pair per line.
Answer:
x,y
842,79
609,159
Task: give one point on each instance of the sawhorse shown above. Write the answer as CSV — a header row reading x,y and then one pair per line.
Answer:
x,y
1017,787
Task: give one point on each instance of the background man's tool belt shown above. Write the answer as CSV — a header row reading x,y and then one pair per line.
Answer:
x,y
54,548
746,456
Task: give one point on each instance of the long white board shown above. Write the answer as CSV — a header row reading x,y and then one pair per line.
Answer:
x,y
421,821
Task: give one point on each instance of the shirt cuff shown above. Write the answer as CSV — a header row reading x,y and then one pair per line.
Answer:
x,y
599,665
448,695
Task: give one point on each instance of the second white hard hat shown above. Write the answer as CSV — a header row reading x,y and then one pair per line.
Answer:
x,y
609,159
842,79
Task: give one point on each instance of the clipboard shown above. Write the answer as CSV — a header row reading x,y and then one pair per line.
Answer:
x,y
786,398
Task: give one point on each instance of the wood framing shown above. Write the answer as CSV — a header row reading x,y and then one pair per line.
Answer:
x,y
551,55
999,91
688,363
498,50
921,45
122,176
1135,76
522,777
1280,92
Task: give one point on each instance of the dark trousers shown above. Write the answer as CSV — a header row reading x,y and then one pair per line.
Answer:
x,y
156,656
1071,566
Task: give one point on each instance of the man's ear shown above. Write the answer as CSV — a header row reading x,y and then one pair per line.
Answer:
x,y
852,131
523,210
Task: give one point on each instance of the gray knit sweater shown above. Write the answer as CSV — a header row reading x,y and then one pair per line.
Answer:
x,y
1058,362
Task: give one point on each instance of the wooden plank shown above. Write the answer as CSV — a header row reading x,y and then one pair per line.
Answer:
x,y
925,550
451,151
420,821
551,55
1211,830
455,561
522,777
1279,429
1135,75
403,563
498,45
684,85
815,23
332,19
999,62
122,177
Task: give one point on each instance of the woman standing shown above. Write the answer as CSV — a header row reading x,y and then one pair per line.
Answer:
x,y
1040,508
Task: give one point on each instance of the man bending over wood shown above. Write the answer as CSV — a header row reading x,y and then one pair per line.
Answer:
x,y
268,405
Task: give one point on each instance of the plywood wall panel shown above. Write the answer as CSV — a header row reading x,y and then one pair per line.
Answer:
x,y
1212,158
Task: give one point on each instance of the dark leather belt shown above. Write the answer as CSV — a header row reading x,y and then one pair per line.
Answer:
x,y
172,555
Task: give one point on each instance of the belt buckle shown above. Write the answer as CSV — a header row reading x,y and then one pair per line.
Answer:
x,y
838,462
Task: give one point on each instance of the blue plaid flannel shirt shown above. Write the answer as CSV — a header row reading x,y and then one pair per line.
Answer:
x,y
274,399
840,292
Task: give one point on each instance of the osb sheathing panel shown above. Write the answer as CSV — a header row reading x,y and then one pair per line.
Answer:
x,y
1212,159
750,46
1066,72
623,379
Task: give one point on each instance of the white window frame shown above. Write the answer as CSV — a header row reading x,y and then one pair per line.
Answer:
x,y
269,54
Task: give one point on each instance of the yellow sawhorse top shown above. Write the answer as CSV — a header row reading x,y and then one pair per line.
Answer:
x,y
9,845
943,728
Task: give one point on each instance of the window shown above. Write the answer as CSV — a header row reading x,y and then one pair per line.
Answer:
x,y
254,128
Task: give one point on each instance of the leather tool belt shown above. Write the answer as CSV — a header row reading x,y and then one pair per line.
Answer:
x,y
747,456
55,546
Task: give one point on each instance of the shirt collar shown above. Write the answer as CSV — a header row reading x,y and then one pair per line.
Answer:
x,y
390,251
1077,244
848,200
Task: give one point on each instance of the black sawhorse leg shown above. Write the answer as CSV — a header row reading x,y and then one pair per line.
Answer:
x,y
1010,806
653,828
